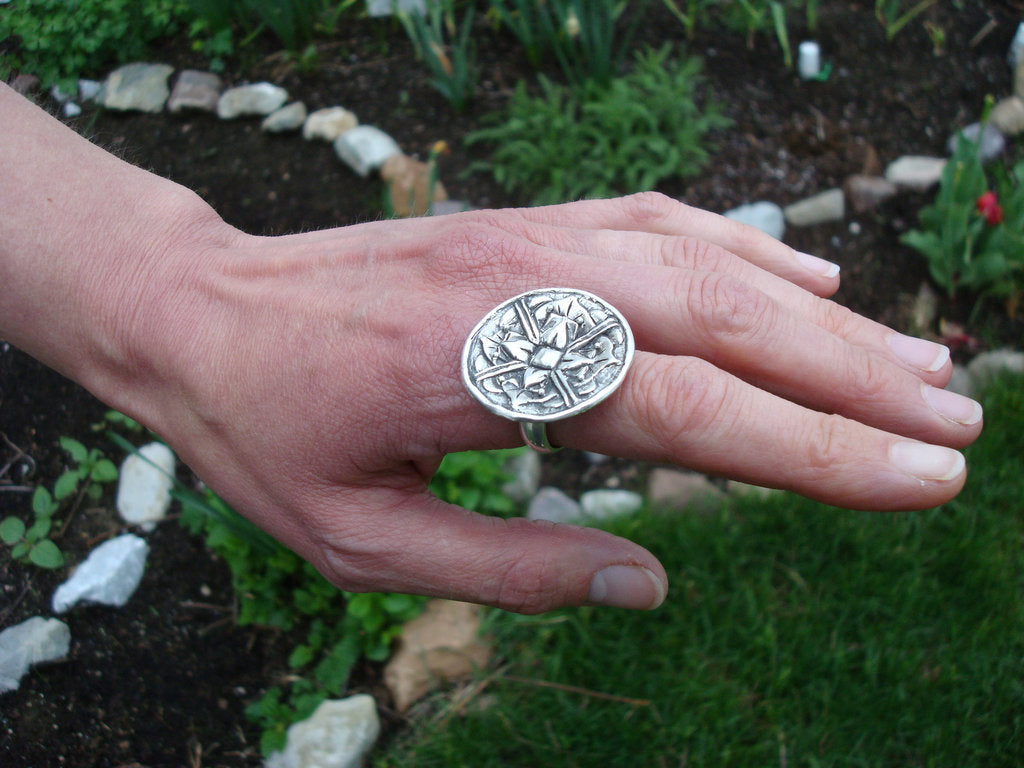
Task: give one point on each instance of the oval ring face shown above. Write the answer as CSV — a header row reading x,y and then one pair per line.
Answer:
x,y
547,354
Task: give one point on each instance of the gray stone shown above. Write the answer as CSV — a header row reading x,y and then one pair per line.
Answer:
x,y
867,192
916,172
288,118
196,90
328,124
673,490
253,99
445,207
365,148
378,8
71,109
604,504
984,368
144,485
990,140
553,505
1008,116
764,215
960,382
140,87
525,470
821,208
337,735
33,641
109,575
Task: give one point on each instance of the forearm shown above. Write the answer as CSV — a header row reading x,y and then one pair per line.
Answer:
x,y
87,243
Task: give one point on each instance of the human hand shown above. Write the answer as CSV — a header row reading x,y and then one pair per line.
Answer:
x,y
313,381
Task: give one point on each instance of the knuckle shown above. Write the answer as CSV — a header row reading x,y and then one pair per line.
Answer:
x,y
676,402
725,308
835,318
477,251
826,445
867,379
647,207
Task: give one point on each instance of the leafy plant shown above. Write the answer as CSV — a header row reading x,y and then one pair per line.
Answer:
x,y
59,41
33,543
276,588
452,63
601,141
973,234
583,35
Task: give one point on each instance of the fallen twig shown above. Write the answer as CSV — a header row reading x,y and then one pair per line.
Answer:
x,y
576,689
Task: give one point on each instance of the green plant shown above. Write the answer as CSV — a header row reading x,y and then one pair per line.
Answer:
x,y
276,588
600,141
84,479
59,41
793,634
452,63
973,233
583,35
893,18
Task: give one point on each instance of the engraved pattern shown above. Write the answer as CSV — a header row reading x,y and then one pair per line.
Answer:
x,y
547,354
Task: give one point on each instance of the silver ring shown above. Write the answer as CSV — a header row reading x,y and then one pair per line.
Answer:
x,y
546,355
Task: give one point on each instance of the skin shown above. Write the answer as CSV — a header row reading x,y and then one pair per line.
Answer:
x,y
313,380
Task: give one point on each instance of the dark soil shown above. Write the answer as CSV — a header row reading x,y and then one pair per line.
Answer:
x,y
163,681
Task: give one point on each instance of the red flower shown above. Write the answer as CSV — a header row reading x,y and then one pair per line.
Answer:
x,y
988,206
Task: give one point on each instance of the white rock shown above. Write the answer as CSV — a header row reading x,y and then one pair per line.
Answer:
x,y
337,735
525,470
254,99
328,124
990,140
144,485
88,90
141,87
764,215
71,109
864,193
916,172
1015,55
288,118
1008,116
34,641
378,8
604,504
553,505
109,575
823,207
365,148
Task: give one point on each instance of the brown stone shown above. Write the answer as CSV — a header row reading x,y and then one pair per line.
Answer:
x,y
440,646
409,186
866,192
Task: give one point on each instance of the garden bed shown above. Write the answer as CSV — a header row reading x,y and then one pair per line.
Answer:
x,y
164,681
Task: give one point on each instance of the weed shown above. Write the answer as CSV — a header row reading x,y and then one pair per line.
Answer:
x,y
448,49
84,479
58,45
601,141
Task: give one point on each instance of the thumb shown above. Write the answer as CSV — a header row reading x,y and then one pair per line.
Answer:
x,y
406,541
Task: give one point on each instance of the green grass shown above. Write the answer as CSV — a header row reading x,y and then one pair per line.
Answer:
x,y
794,635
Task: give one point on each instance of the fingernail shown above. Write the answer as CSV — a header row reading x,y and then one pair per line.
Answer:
x,y
919,353
626,586
926,462
952,406
818,266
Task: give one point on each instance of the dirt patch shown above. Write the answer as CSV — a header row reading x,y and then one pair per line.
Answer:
x,y
163,682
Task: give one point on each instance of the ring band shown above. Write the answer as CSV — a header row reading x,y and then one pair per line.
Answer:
x,y
546,355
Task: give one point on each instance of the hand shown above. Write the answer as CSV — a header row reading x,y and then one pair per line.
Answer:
x,y
313,381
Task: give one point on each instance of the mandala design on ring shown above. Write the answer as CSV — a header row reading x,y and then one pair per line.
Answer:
x,y
547,354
